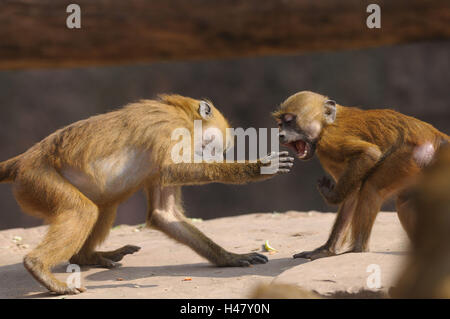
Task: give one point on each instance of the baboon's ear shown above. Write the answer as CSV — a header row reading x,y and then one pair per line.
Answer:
x,y
330,111
204,109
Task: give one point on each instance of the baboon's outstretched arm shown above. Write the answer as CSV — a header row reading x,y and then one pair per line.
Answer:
x,y
202,173
229,173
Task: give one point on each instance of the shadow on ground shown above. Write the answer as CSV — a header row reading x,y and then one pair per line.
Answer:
x,y
277,266
26,285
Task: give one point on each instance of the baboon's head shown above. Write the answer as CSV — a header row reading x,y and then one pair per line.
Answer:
x,y
214,125
301,119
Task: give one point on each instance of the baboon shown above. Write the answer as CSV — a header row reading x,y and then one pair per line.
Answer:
x,y
427,273
370,154
77,176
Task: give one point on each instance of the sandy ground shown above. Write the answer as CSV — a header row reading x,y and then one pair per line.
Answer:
x,y
166,269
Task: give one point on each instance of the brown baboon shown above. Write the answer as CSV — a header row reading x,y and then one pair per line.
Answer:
x,y
371,155
76,177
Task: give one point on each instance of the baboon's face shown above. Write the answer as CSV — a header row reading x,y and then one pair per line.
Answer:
x,y
301,119
296,137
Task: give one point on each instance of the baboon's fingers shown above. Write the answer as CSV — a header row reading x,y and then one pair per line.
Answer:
x,y
255,258
64,290
263,257
259,259
82,289
73,291
108,263
245,260
274,156
315,254
304,254
321,254
285,165
130,249
287,159
118,254
126,250
325,182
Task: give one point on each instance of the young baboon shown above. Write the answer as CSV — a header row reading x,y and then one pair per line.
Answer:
x,y
76,177
371,155
427,273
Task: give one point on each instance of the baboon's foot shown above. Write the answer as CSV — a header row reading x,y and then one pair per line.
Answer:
x,y
105,259
45,277
94,259
118,254
320,252
61,288
357,249
244,260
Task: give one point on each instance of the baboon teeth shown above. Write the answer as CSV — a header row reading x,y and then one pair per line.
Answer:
x,y
302,148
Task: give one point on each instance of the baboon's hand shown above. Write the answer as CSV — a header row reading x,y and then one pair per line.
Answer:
x,y
326,188
244,260
276,163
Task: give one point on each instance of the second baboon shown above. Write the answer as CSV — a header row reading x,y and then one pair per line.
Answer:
x,y
370,154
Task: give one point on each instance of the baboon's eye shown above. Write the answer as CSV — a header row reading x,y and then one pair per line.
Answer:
x,y
288,117
204,109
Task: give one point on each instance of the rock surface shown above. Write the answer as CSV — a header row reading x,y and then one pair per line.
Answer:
x,y
166,269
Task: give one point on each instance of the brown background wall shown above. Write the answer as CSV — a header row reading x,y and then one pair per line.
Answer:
x,y
413,79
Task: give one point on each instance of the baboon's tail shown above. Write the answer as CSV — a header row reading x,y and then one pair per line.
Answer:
x,y
8,170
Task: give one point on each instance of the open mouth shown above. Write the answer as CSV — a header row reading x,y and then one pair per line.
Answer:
x,y
302,148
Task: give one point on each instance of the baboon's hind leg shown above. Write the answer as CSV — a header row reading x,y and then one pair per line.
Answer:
x,y
367,208
376,188
71,216
108,259
65,236
406,212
